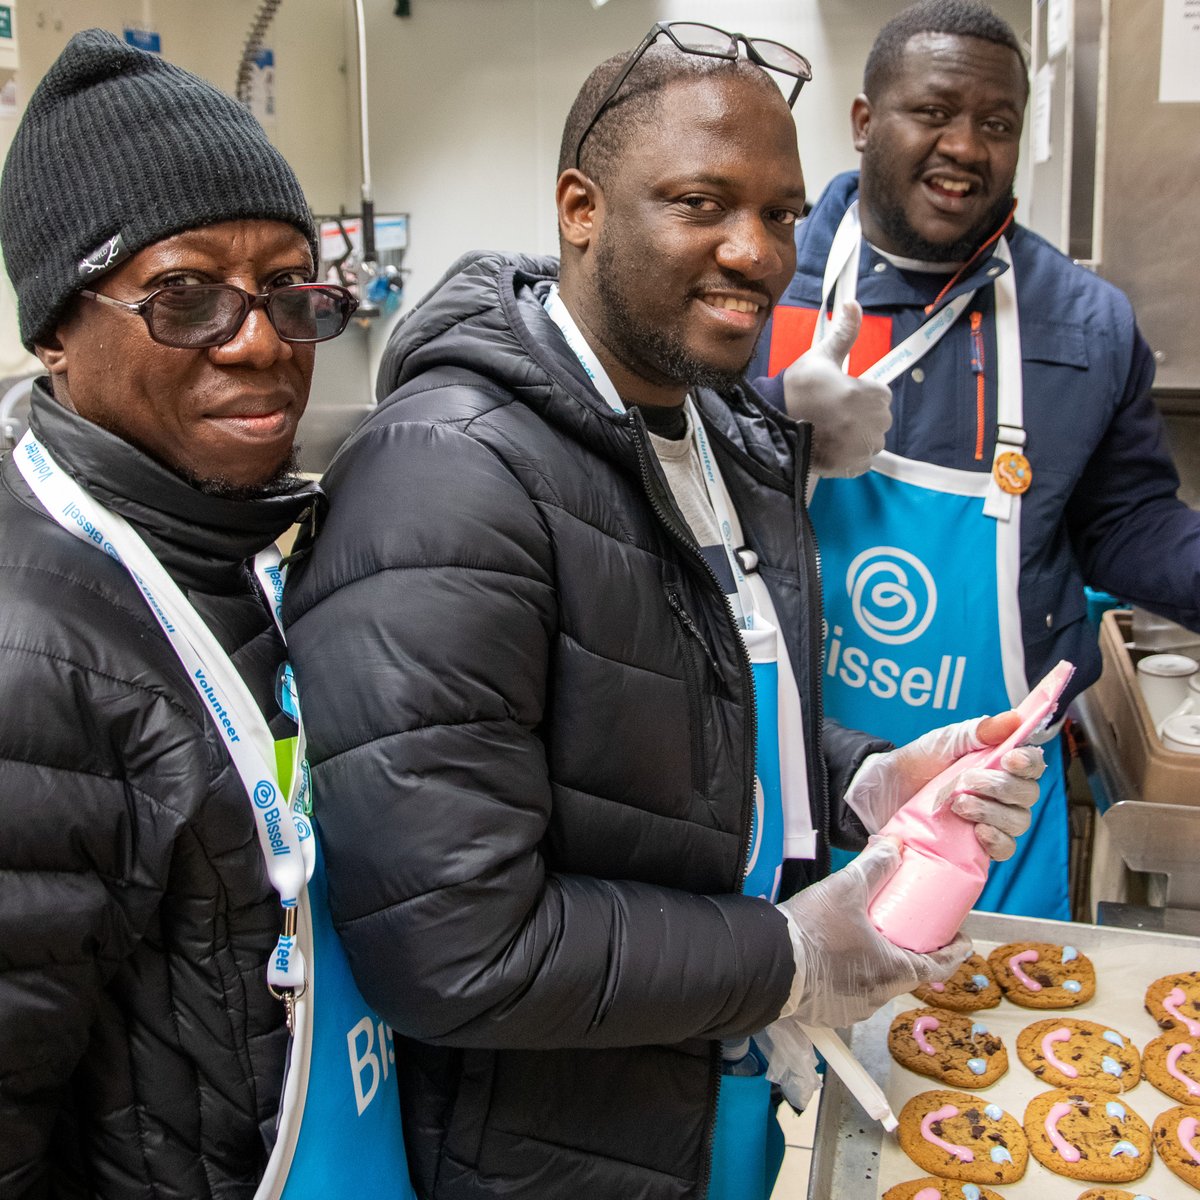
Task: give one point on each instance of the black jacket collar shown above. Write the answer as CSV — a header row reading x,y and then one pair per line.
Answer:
x,y
203,541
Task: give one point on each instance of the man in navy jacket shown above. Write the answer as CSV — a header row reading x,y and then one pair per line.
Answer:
x,y
1025,456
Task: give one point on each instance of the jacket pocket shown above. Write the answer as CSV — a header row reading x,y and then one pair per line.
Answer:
x,y
698,666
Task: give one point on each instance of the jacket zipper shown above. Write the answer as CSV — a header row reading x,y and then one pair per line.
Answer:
x,y
817,662
977,365
695,689
747,674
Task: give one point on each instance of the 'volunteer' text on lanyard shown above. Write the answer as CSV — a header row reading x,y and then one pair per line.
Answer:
x,y
284,836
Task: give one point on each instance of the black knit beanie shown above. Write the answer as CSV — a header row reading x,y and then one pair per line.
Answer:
x,y
119,149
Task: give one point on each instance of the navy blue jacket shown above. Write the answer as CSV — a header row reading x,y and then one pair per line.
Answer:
x,y
1102,509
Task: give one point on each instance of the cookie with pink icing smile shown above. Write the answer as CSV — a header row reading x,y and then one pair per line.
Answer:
x,y
955,1048
939,1189
1174,1002
1085,1134
1177,1140
1067,1052
970,988
1043,975
957,1136
1172,1064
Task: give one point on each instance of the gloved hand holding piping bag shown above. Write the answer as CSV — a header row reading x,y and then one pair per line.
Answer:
x,y
845,968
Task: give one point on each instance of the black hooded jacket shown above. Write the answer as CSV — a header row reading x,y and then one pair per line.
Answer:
x,y
531,725
140,1051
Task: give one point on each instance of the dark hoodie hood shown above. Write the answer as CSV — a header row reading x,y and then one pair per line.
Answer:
x,y
485,319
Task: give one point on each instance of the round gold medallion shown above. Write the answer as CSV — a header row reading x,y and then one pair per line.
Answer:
x,y
1013,472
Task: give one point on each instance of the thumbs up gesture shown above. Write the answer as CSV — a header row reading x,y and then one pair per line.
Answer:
x,y
849,416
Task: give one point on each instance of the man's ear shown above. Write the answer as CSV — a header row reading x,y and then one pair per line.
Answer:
x,y
860,121
580,204
52,353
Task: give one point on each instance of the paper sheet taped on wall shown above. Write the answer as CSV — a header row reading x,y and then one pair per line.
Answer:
x,y
1043,88
1178,78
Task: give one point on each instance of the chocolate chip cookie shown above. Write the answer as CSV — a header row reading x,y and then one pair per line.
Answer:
x,y
1043,975
1085,1134
955,1136
1067,1052
970,988
953,1047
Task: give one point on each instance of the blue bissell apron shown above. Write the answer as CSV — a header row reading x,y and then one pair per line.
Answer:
x,y
339,1134
920,566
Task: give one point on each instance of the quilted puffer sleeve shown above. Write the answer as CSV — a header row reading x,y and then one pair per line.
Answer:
x,y
421,627
84,855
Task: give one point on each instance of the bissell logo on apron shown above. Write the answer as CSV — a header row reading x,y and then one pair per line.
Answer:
x,y
894,599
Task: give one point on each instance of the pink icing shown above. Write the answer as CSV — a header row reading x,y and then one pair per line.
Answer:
x,y
1173,1056
1186,1133
959,1152
919,1026
1172,1003
1054,1036
1056,1114
937,987
1014,965
928,1194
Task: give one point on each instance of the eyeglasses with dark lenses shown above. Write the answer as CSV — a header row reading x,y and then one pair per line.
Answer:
x,y
195,316
711,42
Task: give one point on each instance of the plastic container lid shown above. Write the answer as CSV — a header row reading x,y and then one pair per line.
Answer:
x,y
1169,665
1182,733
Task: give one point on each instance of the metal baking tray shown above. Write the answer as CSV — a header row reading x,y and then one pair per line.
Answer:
x,y
850,1160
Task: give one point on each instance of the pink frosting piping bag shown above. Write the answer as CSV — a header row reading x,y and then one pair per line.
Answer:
x,y
942,865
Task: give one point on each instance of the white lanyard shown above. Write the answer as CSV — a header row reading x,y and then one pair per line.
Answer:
x,y
558,313
743,602
284,837
840,284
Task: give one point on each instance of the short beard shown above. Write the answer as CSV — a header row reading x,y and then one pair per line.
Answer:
x,y
890,218
285,479
657,354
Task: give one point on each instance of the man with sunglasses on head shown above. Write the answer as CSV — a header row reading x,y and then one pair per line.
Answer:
x,y
567,766
160,249
1026,456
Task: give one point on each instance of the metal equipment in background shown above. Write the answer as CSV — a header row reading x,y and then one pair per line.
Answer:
x,y
1120,184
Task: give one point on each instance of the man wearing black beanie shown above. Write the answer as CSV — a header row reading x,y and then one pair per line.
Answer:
x,y
162,252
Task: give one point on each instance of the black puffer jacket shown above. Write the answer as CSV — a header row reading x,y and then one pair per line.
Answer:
x,y
530,721
140,1051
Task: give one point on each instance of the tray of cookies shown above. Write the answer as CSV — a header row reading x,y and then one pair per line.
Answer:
x,y
1061,1061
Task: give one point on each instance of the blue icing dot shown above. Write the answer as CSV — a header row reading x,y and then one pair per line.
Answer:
x,y
1113,1109
1072,985
971,1192
994,1111
1070,954
1112,1067
981,982
1001,1154
1111,1036
976,1066
977,1030
1126,1148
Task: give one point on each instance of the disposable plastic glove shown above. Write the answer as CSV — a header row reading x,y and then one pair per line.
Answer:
x,y
846,968
849,416
791,1062
998,801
